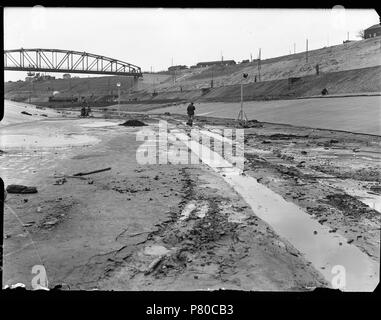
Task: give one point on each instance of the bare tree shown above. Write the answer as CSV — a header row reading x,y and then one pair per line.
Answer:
x,y
361,34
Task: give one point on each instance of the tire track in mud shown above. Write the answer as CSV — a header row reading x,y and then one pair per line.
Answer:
x,y
185,238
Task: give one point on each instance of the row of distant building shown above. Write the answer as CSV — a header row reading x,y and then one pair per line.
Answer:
x,y
207,64
371,32
37,76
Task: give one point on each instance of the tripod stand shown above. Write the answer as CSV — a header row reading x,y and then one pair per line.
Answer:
x,y
242,118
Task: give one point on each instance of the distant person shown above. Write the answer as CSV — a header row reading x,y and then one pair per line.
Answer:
x,y
190,110
83,111
317,69
88,111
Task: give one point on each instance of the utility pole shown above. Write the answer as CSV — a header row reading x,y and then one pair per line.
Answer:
x,y
118,85
251,57
259,65
306,50
294,47
173,73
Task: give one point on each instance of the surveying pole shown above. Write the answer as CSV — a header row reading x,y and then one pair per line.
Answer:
x,y
242,118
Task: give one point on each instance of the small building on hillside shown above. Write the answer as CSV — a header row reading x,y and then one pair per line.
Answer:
x,y
212,63
174,68
38,77
373,31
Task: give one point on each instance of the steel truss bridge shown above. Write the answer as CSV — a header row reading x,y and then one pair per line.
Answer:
x,y
66,61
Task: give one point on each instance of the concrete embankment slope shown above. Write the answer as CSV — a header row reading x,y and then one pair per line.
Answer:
x,y
357,81
350,81
353,114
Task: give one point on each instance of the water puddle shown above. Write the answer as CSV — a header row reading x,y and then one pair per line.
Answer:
x,y
319,246
155,250
257,151
99,124
200,209
353,189
187,211
26,141
237,217
373,202
326,251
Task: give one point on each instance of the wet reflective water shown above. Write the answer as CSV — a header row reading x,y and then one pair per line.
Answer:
x,y
328,252
352,188
21,140
100,124
155,250
319,246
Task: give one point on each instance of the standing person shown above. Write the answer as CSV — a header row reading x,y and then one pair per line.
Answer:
x,y
83,111
88,111
190,111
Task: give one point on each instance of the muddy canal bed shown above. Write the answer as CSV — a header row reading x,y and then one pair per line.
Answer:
x,y
191,226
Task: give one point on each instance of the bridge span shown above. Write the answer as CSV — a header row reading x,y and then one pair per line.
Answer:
x,y
67,61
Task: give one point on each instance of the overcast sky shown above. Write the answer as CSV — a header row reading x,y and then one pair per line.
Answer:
x,y
152,37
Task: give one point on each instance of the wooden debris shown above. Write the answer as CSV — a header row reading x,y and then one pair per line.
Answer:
x,y
91,172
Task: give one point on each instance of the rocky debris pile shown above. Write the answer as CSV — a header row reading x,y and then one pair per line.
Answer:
x,y
133,123
362,174
196,235
281,136
252,124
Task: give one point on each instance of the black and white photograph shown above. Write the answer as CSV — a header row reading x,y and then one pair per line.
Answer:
x,y
191,149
